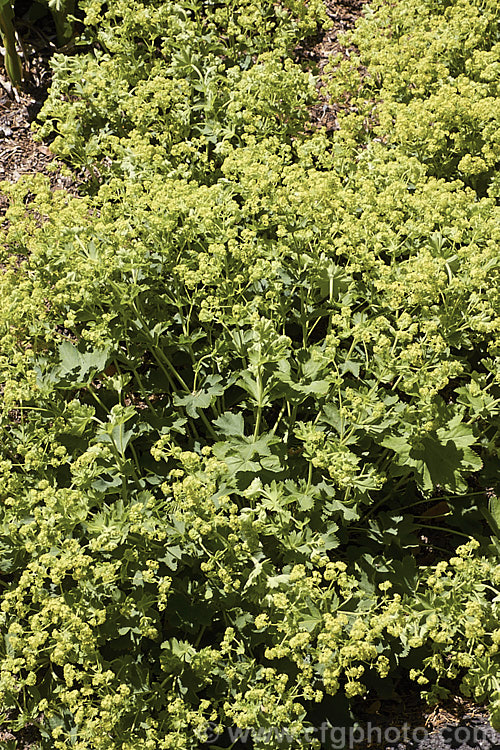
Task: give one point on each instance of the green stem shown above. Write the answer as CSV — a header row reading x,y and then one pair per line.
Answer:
x,y
386,497
257,423
136,460
259,407
309,476
144,395
303,321
440,528
275,426
64,27
291,421
200,636
12,60
207,424
97,399
159,355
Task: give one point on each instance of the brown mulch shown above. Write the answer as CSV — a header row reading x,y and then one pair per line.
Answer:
x,y
20,154
27,738
317,52
407,708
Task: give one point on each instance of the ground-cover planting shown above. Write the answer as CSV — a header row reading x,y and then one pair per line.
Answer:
x,y
250,378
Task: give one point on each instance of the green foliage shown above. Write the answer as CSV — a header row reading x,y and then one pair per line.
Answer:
x,y
432,85
167,88
62,13
234,374
11,58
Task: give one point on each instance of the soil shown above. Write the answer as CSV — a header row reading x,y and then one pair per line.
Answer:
x,y
318,51
20,154
455,723
25,739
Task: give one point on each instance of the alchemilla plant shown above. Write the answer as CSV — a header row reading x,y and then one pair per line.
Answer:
x,y
244,372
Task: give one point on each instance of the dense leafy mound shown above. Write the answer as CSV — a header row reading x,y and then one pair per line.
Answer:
x,y
238,371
